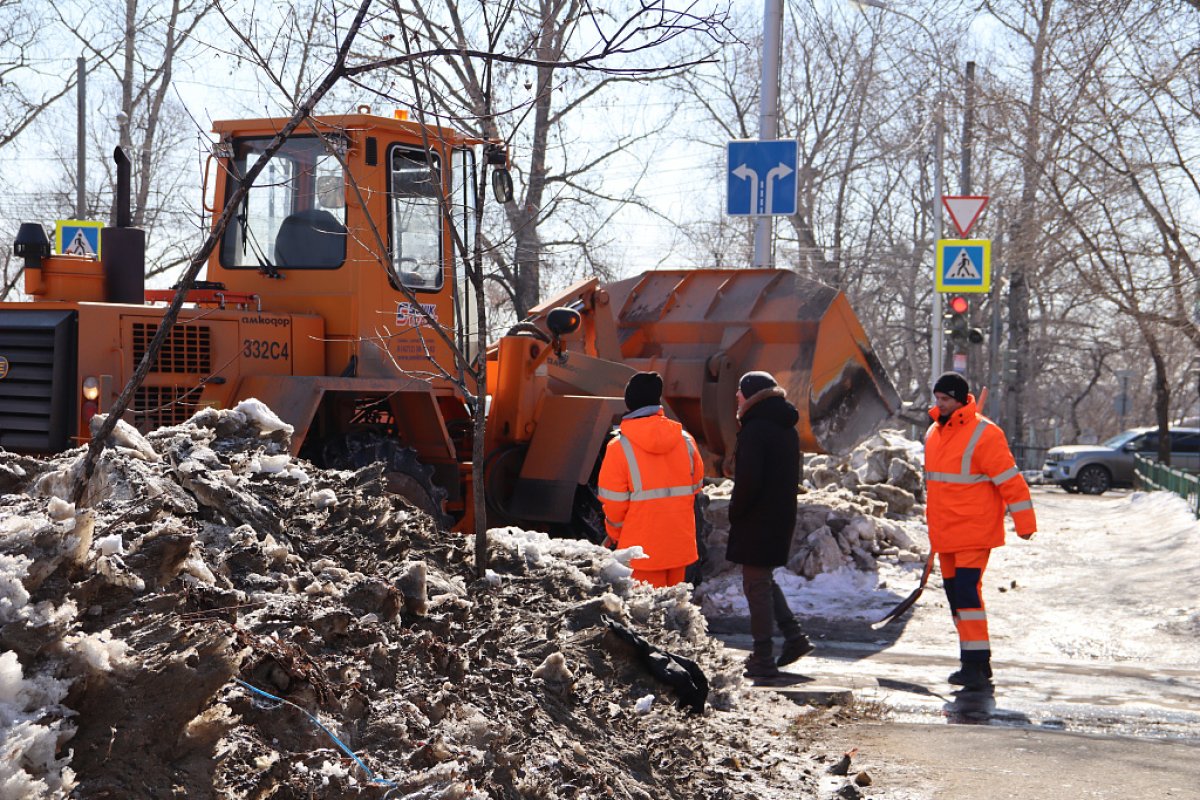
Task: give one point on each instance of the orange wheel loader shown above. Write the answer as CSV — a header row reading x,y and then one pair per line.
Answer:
x,y
303,308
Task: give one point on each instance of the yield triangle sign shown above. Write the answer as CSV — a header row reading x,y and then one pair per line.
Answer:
x,y
964,210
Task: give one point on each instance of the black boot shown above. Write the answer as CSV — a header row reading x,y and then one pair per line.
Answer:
x,y
974,675
794,648
761,663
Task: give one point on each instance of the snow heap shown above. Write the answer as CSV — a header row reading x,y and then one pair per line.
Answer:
x,y
219,619
853,512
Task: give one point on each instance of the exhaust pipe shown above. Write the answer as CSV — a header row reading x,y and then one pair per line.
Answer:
x,y
123,248
124,167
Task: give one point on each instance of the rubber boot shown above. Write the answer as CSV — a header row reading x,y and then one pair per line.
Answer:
x,y
973,675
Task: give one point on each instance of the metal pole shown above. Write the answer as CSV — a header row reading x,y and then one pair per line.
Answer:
x,y
937,350
964,183
768,116
81,142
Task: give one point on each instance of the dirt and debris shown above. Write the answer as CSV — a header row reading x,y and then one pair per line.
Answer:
x,y
217,619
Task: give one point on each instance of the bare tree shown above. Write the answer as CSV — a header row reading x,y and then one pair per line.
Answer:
x,y
547,80
27,87
1124,175
134,49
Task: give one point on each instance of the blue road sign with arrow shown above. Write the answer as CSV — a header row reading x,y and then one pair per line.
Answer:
x,y
761,178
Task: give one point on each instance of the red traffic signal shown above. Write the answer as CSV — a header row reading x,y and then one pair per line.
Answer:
x,y
958,304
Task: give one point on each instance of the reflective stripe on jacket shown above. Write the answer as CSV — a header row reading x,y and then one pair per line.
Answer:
x,y
650,473
971,478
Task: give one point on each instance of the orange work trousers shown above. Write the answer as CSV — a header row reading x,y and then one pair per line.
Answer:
x,y
660,577
962,576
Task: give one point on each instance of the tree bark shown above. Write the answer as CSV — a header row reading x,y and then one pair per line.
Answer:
x,y
1025,233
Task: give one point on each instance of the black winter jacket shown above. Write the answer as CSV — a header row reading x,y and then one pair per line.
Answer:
x,y
762,511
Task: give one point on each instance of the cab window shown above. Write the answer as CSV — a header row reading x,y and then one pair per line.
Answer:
x,y
416,218
294,216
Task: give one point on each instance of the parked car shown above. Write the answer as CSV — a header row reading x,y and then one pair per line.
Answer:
x,y
1096,468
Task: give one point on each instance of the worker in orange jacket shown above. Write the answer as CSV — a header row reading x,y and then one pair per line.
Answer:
x,y
971,478
651,472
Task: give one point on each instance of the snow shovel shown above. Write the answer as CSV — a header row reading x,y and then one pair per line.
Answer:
x,y
907,603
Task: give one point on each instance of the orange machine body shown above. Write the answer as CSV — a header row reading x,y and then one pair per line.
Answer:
x,y
304,308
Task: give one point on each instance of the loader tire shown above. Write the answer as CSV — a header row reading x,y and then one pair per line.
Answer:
x,y
587,518
694,574
500,470
404,473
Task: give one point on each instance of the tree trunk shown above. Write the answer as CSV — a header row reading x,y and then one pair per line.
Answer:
x,y
1162,397
1025,233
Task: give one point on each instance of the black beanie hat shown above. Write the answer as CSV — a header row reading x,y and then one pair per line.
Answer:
x,y
754,382
643,389
954,385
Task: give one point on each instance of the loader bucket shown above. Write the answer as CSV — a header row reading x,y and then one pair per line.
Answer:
x,y
703,329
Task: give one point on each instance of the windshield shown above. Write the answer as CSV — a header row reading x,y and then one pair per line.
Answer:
x,y
1121,438
294,216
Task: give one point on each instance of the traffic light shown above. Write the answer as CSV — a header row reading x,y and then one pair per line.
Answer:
x,y
958,322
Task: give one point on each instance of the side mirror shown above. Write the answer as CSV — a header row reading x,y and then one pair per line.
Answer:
x,y
502,186
1129,447
562,321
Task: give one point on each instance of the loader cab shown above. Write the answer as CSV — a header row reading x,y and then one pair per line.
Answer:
x,y
360,220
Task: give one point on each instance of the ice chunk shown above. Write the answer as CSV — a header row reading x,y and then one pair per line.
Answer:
x,y
263,417
324,498
112,544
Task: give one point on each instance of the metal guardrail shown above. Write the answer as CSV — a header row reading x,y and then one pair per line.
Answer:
x,y
1149,474
1029,456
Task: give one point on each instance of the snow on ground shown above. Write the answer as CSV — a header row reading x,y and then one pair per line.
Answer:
x,y
1130,560
203,556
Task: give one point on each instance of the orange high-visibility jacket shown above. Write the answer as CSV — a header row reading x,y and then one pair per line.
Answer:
x,y
650,473
971,477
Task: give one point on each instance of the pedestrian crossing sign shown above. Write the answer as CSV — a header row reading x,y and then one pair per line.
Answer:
x,y
964,265
75,237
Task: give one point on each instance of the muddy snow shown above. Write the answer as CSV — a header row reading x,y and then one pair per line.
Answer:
x,y
216,619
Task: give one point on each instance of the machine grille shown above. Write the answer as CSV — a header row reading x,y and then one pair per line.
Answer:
x,y
37,390
156,406
187,349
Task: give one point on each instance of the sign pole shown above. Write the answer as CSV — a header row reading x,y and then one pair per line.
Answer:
x,y
81,141
937,346
768,117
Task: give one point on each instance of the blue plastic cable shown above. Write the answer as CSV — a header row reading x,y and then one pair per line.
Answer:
x,y
328,732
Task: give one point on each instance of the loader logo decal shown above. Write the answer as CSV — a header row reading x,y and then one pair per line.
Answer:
x,y
408,315
3,368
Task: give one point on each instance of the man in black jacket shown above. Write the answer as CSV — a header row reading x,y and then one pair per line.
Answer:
x,y
762,516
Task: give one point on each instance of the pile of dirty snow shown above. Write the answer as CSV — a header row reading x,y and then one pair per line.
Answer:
x,y
218,619
859,528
